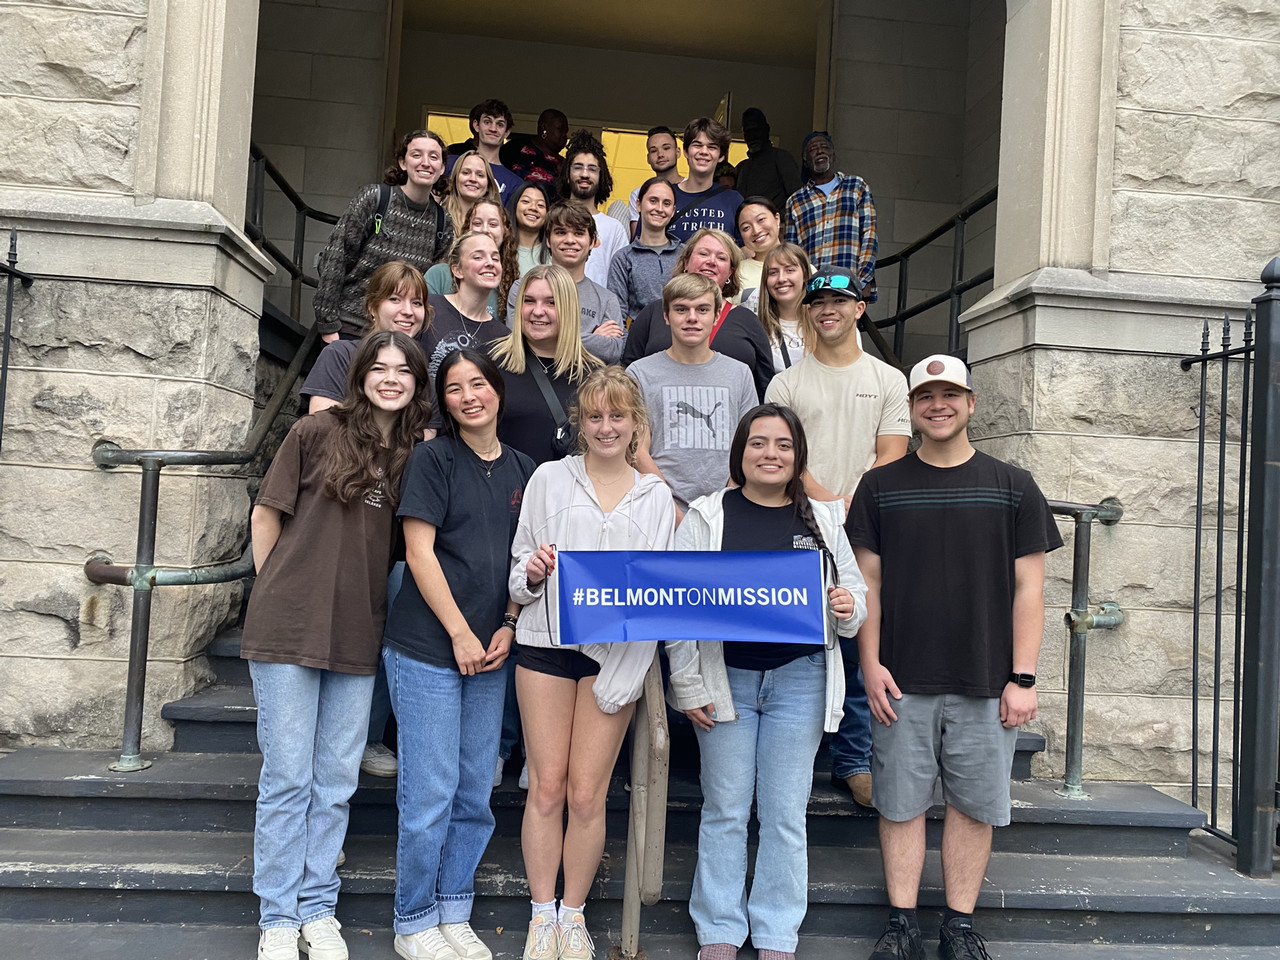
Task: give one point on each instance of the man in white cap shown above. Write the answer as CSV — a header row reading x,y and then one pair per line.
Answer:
x,y
951,543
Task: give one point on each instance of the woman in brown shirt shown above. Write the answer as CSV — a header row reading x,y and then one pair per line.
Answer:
x,y
322,535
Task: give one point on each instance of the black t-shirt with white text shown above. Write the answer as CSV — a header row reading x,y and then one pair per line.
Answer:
x,y
947,538
750,526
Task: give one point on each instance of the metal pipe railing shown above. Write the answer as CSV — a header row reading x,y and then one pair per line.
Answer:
x,y
647,816
1080,621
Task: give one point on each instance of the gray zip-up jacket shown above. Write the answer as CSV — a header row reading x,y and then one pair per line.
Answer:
x,y
560,508
698,672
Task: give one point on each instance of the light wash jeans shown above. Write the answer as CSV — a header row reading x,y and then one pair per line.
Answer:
x,y
767,752
311,733
851,744
448,746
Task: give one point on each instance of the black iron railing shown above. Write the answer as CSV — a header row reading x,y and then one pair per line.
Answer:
x,y
1245,597
12,275
960,284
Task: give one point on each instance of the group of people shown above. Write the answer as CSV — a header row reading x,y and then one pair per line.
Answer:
x,y
485,401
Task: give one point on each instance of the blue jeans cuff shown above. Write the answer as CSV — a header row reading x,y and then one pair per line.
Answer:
x,y
327,912
455,909
417,922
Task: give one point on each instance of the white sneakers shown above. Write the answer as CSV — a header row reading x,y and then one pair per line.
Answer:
x,y
575,942
464,941
524,776
428,944
497,774
278,943
378,761
320,940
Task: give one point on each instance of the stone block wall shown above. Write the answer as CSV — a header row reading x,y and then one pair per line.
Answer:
x,y
319,111
140,329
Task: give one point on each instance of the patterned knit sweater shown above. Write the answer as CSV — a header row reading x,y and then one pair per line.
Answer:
x,y
418,233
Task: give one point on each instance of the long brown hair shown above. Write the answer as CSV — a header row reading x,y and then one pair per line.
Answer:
x,y
507,249
795,486
770,319
357,459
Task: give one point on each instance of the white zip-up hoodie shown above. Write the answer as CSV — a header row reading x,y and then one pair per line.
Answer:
x,y
560,508
698,672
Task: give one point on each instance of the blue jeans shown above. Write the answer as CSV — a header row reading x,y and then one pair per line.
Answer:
x,y
311,732
767,752
851,744
448,745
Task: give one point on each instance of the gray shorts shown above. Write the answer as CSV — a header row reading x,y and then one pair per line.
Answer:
x,y
959,738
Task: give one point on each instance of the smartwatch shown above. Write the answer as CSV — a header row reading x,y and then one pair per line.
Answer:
x,y
1023,679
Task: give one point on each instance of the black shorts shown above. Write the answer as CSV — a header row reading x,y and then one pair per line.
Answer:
x,y
557,662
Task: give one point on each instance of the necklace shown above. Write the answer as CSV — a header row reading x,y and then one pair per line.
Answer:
x,y
488,462
608,483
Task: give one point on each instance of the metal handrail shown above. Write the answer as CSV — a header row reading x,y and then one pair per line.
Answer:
x,y
13,273
143,575
647,816
1080,621
959,284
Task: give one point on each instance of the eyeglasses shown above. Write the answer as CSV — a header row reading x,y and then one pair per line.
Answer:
x,y
836,282
584,168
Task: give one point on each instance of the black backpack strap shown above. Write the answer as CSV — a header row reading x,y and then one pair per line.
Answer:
x,y
384,201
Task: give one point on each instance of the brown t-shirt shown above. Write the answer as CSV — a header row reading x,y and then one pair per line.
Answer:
x,y
320,599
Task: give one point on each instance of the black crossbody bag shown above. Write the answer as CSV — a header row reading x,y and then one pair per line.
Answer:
x,y
562,439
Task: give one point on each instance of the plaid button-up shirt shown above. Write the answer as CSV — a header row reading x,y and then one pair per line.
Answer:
x,y
837,230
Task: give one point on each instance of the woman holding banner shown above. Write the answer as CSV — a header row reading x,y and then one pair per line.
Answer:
x,y
576,701
760,709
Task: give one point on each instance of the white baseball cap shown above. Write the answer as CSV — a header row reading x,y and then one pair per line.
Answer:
x,y
940,367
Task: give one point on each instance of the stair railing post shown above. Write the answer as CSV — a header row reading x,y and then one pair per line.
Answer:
x,y
957,275
140,629
1260,701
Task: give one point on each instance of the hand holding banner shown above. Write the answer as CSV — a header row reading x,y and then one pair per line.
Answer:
x,y
609,596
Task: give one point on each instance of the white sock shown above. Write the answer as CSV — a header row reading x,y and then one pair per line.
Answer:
x,y
547,910
566,912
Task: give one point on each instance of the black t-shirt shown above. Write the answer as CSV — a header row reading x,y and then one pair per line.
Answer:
x,y
527,422
450,330
328,377
749,526
474,510
741,337
947,538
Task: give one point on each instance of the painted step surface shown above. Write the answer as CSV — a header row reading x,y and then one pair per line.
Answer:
x,y
46,789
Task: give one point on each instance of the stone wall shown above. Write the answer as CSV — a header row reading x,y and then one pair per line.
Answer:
x,y
1136,200
139,329
319,106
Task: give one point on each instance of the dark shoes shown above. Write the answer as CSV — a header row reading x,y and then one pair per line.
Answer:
x,y
960,942
899,942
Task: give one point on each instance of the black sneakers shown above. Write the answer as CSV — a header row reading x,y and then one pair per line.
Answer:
x,y
899,942
959,941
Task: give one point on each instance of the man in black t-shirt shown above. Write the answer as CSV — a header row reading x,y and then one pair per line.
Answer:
x,y
951,543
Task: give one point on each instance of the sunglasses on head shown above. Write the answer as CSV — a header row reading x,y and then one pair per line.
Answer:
x,y
834,283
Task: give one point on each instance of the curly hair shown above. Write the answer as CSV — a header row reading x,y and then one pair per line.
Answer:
x,y
508,249
395,174
356,451
585,142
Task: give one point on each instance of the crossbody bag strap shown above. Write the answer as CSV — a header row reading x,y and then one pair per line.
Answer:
x,y
549,395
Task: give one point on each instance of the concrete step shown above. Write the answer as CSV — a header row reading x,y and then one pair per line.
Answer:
x,y
174,876
44,788
165,941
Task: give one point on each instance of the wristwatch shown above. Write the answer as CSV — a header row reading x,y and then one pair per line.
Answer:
x,y
509,620
1023,679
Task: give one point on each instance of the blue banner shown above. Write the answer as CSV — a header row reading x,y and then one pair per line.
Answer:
x,y
608,596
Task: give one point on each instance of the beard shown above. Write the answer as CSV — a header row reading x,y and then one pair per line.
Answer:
x,y
581,192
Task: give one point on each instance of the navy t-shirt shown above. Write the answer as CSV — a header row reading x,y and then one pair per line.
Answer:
x,y
474,509
750,526
713,207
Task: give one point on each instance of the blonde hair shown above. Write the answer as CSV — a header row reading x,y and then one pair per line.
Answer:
x,y
731,286
454,260
768,312
690,286
572,359
611,388
458,207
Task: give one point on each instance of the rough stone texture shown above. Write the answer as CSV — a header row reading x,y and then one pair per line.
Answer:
x,y
1195,155
71,55
80,704
54,417
1259,19
231,349
1003,386
1233,239
1233,77
1151,654
50,609
135,7
84,145
197,416
118,328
